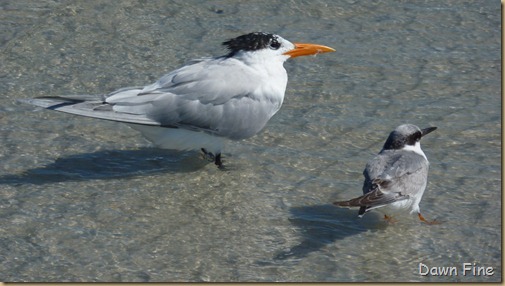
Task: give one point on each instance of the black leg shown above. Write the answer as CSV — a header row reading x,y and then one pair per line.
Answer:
x,y
218,161
213,158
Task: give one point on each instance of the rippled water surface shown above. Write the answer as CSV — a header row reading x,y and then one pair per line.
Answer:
x,y
90,200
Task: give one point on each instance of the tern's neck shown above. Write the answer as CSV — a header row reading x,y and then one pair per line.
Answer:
x,y
266,66
416,149
260,58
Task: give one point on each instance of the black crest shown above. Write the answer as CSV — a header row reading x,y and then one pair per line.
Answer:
x,y
251,42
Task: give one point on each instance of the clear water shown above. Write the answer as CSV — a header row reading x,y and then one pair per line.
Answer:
x,y
89,200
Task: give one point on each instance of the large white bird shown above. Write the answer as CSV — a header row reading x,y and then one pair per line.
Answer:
x,y
397,176
198,105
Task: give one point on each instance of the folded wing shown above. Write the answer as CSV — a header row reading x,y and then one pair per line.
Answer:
x,y
218,96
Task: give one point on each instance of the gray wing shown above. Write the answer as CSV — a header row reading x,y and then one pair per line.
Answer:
x,y
220,95
395,171
389,177
212,95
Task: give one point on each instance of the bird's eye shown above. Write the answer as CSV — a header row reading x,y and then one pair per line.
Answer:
x,y
274,45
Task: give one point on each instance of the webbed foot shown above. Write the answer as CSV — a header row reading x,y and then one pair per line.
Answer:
x,y
426,221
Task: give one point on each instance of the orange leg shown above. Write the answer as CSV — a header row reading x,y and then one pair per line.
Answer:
x,y
389,219
426,221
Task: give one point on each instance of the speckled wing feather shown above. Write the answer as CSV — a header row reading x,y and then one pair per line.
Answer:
x,y
375,198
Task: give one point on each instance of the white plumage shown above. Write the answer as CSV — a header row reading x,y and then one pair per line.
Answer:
x,y
199,105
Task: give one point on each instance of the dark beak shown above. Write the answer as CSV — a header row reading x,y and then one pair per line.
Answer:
x,y
427,130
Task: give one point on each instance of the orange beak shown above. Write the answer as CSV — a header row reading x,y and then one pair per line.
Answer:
x,y
302,49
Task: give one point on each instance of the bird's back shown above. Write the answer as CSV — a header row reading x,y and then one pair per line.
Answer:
x,y
405,171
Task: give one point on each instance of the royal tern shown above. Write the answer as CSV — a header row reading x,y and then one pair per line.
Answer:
x,y
198,105
397,176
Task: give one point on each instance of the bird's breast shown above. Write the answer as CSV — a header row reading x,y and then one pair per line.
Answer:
x,y
244,117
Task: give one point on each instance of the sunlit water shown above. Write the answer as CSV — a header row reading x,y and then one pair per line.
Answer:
x,y
90,200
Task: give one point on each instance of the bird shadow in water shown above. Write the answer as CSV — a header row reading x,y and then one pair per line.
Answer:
x,y
320,225
109,164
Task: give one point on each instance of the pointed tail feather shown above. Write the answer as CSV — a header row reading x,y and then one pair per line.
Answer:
x,y
95,108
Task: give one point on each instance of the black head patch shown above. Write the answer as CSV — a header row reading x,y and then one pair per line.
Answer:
x,y
397,141
252,42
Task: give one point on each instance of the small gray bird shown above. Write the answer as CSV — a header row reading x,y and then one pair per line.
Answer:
x,y
397,176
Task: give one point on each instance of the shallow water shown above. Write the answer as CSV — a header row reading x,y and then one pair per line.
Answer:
x,y
90,200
